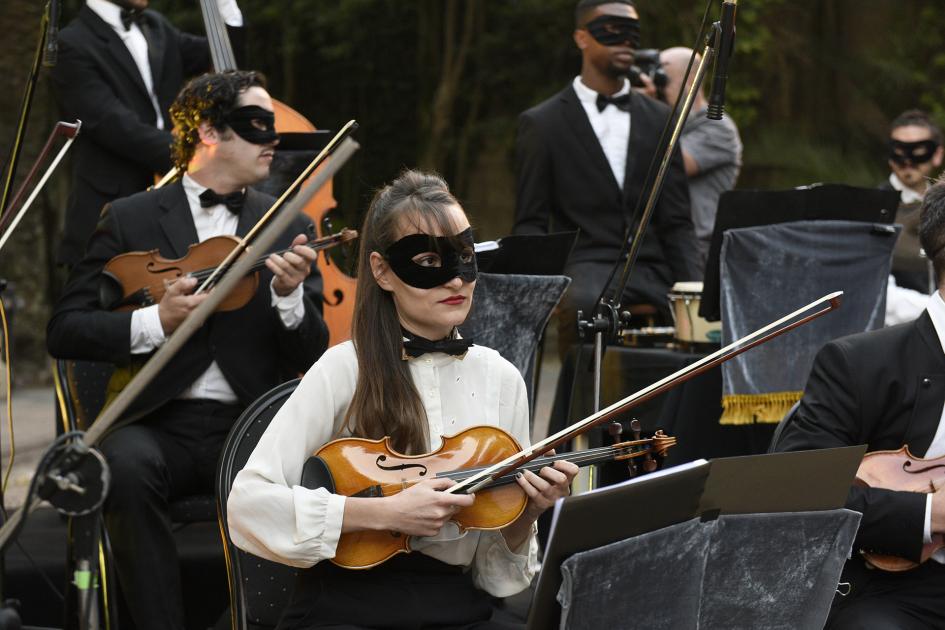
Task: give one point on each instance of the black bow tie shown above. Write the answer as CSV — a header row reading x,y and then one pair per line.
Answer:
x,y
131,15
233,201
621,102
415,346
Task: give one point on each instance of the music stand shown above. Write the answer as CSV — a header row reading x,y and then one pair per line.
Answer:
x,y
760,488
528,254
751,208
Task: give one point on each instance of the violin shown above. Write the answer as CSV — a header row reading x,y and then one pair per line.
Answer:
x,y
358,467
903,471
137,279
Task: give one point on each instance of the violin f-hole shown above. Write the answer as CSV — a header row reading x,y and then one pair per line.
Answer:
x,y
383,458
151,266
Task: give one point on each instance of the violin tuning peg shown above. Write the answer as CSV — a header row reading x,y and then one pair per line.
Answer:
x,y
635,428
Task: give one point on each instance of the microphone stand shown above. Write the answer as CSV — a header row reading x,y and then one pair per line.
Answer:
x,y
608,320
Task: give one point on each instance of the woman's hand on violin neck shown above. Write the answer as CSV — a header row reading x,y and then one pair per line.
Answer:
x,y
177,302
420,510
543,489
292,268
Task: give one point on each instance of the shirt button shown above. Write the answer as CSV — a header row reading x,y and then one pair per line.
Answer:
x,y
926,382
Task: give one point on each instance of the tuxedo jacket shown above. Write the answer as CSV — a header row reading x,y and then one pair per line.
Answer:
x,y
885,389
564,182
119,149
253,348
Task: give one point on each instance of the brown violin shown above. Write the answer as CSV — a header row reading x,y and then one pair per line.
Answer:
x,y
136,279
901,470
357,467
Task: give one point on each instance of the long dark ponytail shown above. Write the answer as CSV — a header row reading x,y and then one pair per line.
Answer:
x,y
385,400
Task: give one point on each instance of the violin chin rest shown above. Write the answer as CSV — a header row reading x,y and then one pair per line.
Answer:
x,y
315,474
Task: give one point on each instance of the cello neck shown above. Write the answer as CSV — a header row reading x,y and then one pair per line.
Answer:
x,y
221,51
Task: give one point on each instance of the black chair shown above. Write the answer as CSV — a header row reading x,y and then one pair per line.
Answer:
x,y
81,391
782,425
259,589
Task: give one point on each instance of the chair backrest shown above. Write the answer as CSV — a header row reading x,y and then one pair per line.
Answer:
x,y
81,389
509,315
259,589
785,421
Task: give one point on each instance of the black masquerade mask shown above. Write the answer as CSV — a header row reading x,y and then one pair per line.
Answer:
x,y
450,256
253,124
911,153
611,30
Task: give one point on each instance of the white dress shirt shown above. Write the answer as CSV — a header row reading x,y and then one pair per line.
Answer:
x,y
611,126
272,516
146,330
906,194
937,447
137,45
902,304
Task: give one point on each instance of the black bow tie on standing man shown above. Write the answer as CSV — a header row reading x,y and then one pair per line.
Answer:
x,y
621,102
233,201
131,15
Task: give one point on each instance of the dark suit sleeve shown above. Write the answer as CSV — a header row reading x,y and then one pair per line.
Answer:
x,y
301,346
673,223
534,179
79,329
833,414
85,95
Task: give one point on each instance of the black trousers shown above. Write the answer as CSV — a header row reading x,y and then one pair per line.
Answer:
x,y
171,453
408,592
883,600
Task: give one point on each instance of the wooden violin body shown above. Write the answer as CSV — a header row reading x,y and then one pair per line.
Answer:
x,y
903,471
357,467
137,279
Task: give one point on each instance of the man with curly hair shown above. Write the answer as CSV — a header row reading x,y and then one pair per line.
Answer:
x,y
172,434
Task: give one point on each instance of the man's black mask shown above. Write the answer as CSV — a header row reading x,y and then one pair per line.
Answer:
x,y
911,153
253,124
457,257
611,30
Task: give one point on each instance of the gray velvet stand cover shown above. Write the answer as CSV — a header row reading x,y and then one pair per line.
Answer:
x,y
509,313
772,270
738,572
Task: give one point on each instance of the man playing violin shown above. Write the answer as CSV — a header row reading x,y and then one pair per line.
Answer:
x,y
119,67
886,388
224,141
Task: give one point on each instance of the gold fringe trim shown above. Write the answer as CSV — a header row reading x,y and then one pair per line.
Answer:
x,y
752,408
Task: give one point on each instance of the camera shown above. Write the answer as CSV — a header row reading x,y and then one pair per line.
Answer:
x,y
647,61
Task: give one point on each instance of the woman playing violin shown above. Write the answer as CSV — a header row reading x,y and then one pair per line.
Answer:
x,y
406,374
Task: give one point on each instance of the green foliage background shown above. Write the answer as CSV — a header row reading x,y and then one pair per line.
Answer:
x,y
439,84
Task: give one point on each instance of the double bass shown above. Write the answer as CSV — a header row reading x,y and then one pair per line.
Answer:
x,y
338,287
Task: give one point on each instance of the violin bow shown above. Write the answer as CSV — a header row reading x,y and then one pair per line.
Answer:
x,y
9,220
760,336
343,133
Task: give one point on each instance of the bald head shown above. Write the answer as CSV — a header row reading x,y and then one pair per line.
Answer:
x,y
674,62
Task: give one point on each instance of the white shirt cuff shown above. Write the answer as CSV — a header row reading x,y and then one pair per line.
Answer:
x,y
291,307
146,330
230,13
927,533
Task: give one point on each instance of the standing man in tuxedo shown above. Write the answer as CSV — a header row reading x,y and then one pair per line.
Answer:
x,y
120,65
886,388
582,158
171,436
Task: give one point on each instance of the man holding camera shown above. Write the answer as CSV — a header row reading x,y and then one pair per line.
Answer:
x,y
582,158
711,149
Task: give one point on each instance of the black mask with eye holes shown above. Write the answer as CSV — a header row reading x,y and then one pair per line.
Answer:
x,y
912,153
456,253
253,124
611,30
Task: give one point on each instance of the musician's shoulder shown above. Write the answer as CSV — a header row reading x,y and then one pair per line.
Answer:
x,y
490,360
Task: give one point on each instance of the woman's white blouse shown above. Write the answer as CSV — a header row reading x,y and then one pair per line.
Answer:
x,y
272,516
